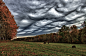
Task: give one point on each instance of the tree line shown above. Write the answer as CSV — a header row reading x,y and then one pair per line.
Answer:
x,y
64,35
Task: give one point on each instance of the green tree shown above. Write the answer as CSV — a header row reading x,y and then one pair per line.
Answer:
x,y
63,32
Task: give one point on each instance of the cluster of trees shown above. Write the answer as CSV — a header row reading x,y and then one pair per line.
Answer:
x,y
8,25
64,35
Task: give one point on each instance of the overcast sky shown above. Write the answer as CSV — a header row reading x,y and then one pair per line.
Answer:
x,y
35,17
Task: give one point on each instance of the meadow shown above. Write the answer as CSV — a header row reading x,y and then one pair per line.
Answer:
x,y
22,48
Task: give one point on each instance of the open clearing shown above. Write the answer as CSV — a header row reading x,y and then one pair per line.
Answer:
x,y
22,48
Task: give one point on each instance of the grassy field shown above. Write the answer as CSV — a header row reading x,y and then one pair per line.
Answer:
x,y
21,48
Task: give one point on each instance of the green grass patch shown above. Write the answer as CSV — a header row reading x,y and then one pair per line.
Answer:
x,y
21,48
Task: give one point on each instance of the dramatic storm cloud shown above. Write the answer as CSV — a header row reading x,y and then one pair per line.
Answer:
x,y
35,17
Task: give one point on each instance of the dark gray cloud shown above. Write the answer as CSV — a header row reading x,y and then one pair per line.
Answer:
x,y
35,17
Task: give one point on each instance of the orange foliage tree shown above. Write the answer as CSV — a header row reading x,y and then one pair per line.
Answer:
x,y
7,22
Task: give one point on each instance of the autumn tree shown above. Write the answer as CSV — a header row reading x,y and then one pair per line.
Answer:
x,y
74,34
83,35
8,24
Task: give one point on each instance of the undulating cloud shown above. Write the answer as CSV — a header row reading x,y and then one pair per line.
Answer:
x,y
35,17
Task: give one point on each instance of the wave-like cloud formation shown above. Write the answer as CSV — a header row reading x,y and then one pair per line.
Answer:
x,y
45,16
